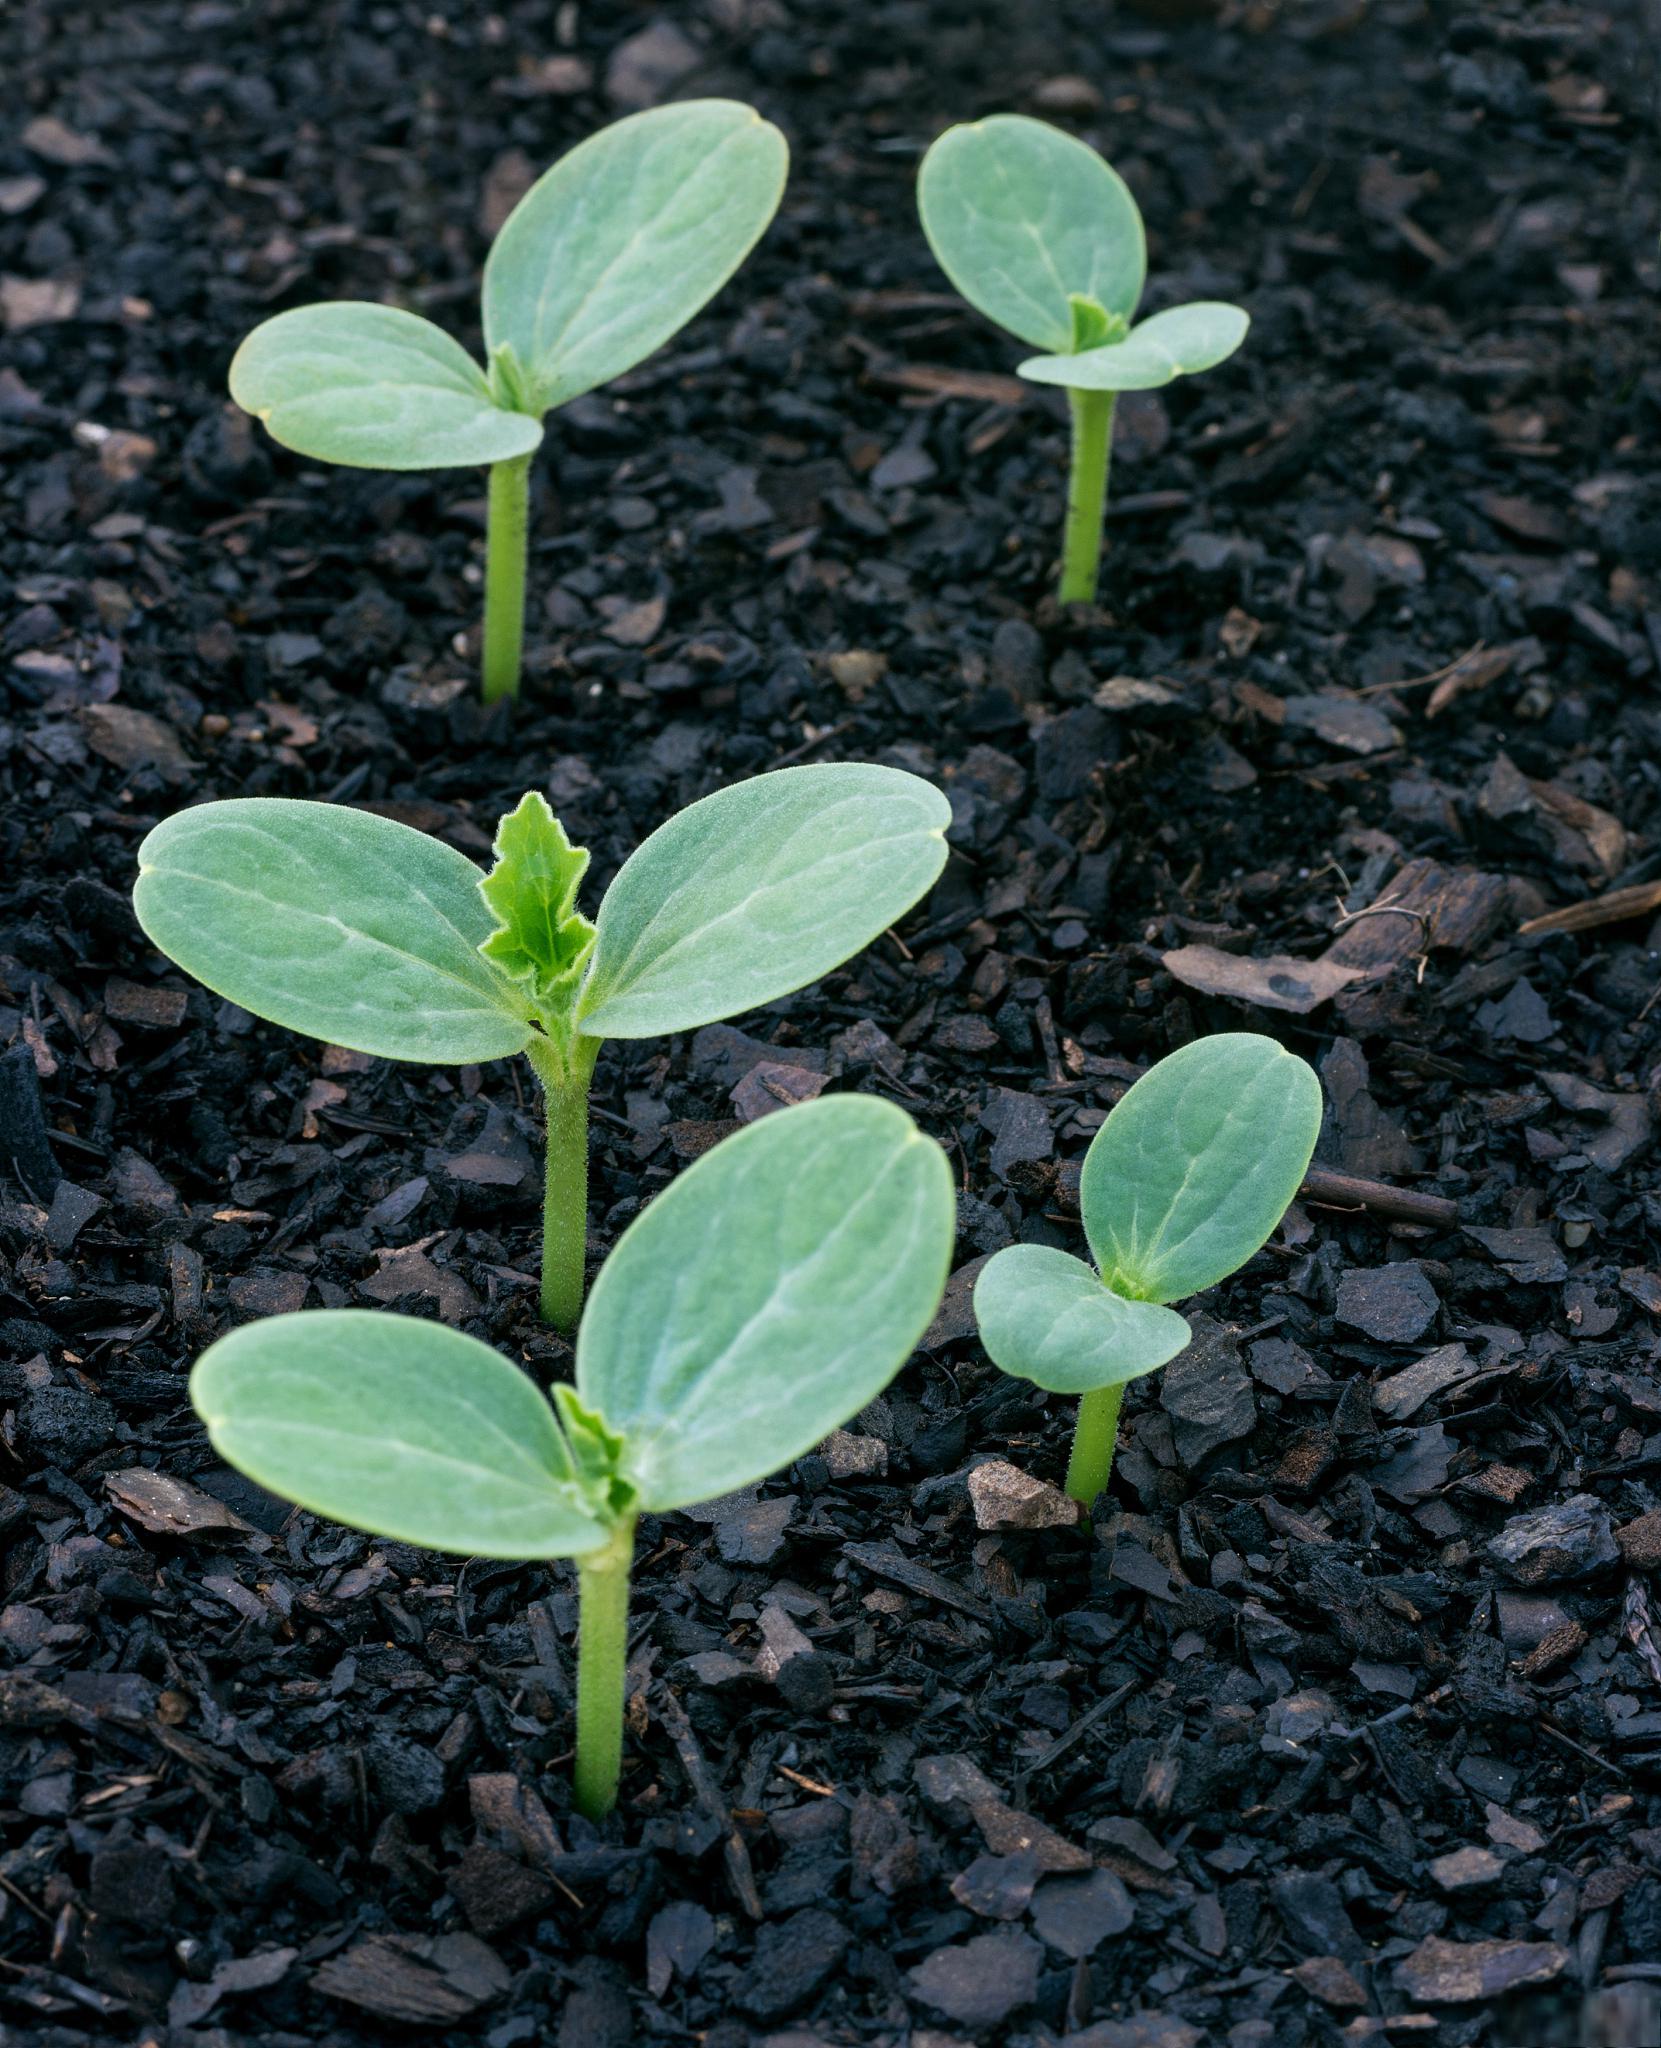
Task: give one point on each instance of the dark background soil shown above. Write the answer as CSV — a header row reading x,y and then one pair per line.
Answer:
x,y
1344,1720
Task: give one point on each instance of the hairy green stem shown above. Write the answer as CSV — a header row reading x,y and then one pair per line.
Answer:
x,y
506,543
602,1660
565,1175
1094,1436
1081,550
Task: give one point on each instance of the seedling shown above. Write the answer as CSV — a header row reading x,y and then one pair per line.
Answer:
x,y
757,1304
1041,235
606,256
366,934
1186,1179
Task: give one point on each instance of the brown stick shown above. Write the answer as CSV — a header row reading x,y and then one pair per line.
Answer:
x,y
1348,1191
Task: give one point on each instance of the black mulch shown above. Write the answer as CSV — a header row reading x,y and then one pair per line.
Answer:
x,y
1344,1720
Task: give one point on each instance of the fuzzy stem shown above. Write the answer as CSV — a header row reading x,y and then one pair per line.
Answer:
x,y
506,542
1081,551
1094,1437
565,1176
602,1659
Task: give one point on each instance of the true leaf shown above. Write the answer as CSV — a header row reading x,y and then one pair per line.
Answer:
x,y
1045,1316
1023,217
334,922
374,388
1196,1164
626,237
1163,348
532,890
756,891
397,1426
766,1295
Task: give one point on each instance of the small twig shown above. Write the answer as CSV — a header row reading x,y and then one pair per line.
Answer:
x,y
1436,675
1349,1191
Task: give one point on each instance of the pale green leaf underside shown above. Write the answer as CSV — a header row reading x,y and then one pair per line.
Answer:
x,y
626,237
766,1295
758,890
1044,1316
397,1426
374,388
1196,1164
1161,349
1021,215
334,922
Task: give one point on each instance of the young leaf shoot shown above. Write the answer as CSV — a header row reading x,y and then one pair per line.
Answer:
x,y
1186,1179
1041,235
607,255
363,933
756,1305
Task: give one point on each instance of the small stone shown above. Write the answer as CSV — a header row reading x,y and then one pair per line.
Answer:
x,y
848,1456
792,1959
1351,724
1466,1870
1207,1392
1005,1497
979,1983
496,1893
755,1532
1020,1127
72,1210
1329,1980
1640,1542
647,66
1505,1831
130,739
998,1887
1457,1972
1572,1540
771,1085
1393,1304
1077,1914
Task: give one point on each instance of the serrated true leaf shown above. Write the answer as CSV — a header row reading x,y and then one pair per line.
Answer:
x,y
374,388
758,890
397,1426
334,922
1196,1164
542,938
1161,349
628,235
1023,217
767,1295
1045,1316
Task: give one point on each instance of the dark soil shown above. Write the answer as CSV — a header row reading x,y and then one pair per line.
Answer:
x,y
1344,1719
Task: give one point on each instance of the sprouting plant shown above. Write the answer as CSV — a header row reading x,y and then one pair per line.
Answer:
x,y
366,934
756,1305
607,255
1041,235
1186,1179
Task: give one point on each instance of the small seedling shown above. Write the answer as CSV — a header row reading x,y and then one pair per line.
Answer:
x,y
1186,1179
607,255
756,1305
1041,235
367,934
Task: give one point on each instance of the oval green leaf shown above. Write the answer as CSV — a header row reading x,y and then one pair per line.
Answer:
x,y
758,890
1161,349
629,235
397,1426
1044,1316
767,1295
1022,216
1196,1164
373,388
334,922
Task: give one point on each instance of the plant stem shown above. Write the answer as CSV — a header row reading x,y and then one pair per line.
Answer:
x,y
506,542
1094,1437
1081,550
602,1658
565,1175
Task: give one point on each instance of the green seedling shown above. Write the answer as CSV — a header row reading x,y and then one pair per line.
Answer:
x,y
607,255
1041,235
364,933
756,1305
1186,1179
